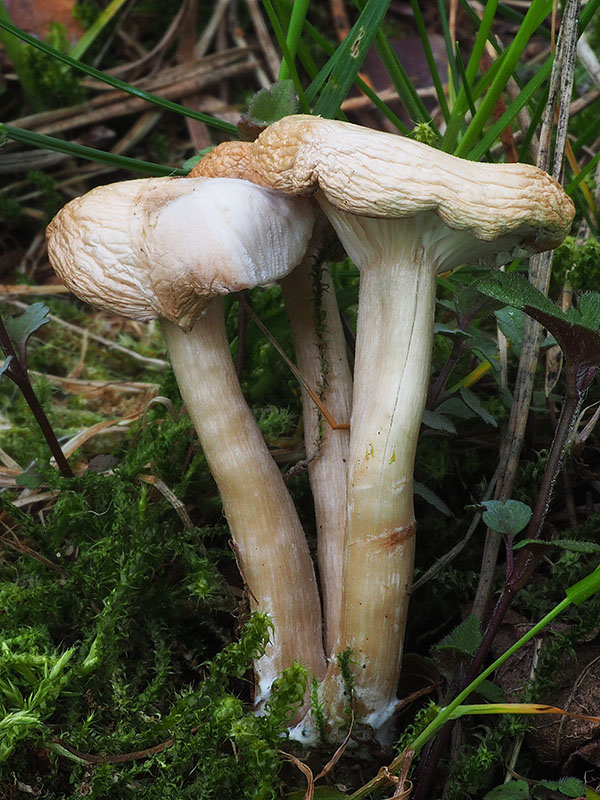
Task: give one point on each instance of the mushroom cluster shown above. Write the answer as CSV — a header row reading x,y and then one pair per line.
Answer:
x,y
404,212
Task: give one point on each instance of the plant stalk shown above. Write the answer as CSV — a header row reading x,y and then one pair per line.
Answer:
x,y
18,374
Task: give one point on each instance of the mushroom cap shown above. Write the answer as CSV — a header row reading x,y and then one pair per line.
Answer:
x,y
165,247
373,174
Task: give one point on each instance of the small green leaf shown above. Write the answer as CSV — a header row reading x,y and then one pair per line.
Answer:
x,y
570,787
490,692
576,332
544,784
446,329
431,498
438,422
268,105
455,407
20,328
189,164
31,479
515,790
508,517
475,404
588,306
511,322
465,638
573,545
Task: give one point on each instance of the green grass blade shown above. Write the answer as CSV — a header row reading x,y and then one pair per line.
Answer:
x,y
296,25
284,13
587,14
349,58
287,56
378,103
284,9
401,82
43,142
591,165
589,132
453,87
468,79
168,105
477,21
511,112
96,28
487,78
465,88
538,11
433,70
536,120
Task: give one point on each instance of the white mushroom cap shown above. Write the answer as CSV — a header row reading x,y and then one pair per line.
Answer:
x,y
165,247
372,174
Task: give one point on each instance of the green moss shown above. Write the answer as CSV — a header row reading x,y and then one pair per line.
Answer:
x,y
578,262
58,85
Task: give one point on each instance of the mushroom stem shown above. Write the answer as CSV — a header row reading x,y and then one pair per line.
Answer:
x,y
391,376
320,348
269,541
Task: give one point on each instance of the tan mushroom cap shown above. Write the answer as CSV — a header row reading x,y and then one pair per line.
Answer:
x,y
373,174
165,247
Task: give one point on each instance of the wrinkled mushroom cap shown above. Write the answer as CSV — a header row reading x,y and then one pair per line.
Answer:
x,y
368,173
165,247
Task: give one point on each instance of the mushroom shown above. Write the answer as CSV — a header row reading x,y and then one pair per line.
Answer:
x,y
321,354
165,248
404,212
320,346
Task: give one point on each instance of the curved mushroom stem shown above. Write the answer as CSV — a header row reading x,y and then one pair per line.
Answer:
x,y
391,376
320,348
270,544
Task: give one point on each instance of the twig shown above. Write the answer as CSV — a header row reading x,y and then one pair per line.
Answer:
x,y
561,82
18,374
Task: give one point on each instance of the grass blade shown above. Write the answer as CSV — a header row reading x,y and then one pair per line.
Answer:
x,y
168,105
284,9
511,112
295,27
287,56
44,142
536,120
433,70
538,11
402,83
89,37
349,57
453,87
591,165
587,14
462,102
